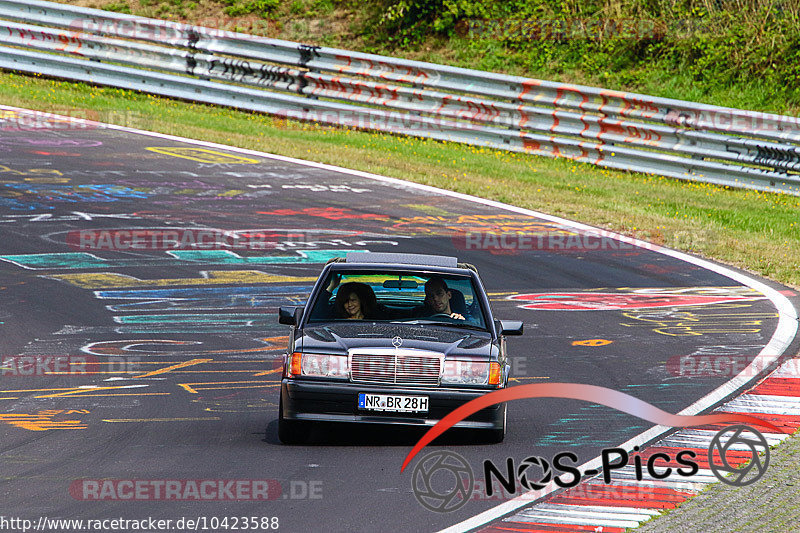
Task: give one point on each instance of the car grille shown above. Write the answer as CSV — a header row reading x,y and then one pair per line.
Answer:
x,y
396,367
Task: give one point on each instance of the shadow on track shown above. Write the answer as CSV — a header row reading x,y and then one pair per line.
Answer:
x,y
329,434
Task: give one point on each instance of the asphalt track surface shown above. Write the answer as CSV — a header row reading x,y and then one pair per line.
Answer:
x,y
172,355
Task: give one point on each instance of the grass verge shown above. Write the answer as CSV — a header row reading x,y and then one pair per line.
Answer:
x,y
769,504
759,232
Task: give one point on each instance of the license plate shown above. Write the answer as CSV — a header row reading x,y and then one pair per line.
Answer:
x,y
392,402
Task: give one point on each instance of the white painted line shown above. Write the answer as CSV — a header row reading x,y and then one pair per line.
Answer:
x,y
608,511
679,440
750,409
675,484
698,479
705,433
534,515
117,378
711,432
629,472
788,370
89,387
782,337
768,399
699,442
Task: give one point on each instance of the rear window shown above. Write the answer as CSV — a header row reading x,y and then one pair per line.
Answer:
x,y
398,297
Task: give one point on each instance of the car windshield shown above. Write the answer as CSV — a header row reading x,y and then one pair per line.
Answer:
x,y
392,296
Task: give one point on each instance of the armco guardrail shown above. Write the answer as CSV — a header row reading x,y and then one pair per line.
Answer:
x,y
626,131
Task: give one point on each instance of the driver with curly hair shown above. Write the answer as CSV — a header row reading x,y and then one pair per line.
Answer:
x,y
355,301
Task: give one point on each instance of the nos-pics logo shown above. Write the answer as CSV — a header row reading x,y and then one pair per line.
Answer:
x,y
443,481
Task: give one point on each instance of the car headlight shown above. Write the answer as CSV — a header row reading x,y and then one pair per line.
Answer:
x,y
318,365
471,372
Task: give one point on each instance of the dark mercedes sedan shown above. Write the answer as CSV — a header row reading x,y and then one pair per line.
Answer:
x,y
394,339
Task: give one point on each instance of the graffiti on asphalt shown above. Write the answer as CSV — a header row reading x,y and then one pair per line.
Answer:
x,y
70,217
83,260
44,420
741,320
113,280
646,298
448,225
202,155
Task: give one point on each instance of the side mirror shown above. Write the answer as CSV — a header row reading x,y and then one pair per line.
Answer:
x,y
509,327
290,315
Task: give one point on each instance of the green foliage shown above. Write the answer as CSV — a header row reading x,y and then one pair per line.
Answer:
x,y
324,6
118,7
717,43
296,7
264,8
410,21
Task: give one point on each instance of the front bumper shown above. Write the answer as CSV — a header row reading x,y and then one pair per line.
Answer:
x,y
338,402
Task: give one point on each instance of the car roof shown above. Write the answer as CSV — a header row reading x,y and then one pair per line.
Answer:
x,y
402,259
439,263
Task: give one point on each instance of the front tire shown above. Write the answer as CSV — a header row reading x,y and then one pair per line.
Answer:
x,y
496,435
292,431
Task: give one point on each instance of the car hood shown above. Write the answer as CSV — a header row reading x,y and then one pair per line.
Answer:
x,y
338,338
